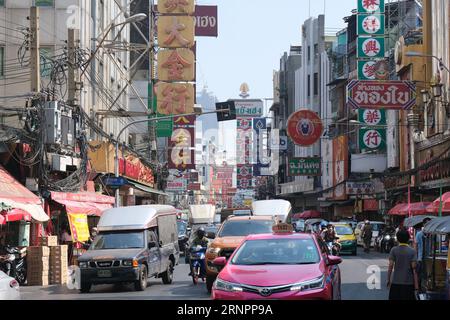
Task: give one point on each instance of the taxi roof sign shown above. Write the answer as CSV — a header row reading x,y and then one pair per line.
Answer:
x,y
283,228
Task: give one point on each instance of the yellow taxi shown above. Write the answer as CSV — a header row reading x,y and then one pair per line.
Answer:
x,y
347,238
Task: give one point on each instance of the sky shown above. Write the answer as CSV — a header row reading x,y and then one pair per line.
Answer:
x,y
253,35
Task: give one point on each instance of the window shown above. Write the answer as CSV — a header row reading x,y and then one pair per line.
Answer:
x,y
2,62
309,86
309,53
44,3
316,84
46,65
2,3
316,51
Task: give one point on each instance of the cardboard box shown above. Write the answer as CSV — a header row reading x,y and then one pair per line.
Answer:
x,y
59,250
50,241
38,251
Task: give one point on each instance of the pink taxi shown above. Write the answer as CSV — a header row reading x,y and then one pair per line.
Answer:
x,y
283,266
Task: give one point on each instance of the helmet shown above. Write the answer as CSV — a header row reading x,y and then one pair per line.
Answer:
x,y
201,232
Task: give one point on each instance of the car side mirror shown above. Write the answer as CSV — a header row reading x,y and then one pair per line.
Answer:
x,y
333,260
220,261
211,235
152,244
189,229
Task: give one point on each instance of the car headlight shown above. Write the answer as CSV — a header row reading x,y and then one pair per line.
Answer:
x,y
227,286
127,263
214,250
388,237
317,283
83,265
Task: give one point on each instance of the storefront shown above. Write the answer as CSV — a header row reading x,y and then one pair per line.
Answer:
x,y
21,212
77,213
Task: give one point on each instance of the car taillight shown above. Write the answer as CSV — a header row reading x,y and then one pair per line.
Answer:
x,y
14,284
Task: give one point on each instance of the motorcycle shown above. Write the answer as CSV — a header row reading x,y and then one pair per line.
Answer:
x,y
386,241
197,262
14,264
333,248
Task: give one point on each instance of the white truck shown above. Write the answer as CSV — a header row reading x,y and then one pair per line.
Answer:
x,y
277,208
202,214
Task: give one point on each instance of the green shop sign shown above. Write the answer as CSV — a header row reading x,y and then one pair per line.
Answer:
x,y
305,167
371,24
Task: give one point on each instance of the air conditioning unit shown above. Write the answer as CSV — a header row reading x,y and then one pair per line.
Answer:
x,y
61,163
32,184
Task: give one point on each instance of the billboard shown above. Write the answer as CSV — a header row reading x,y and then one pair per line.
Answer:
x,y
206,21
249,108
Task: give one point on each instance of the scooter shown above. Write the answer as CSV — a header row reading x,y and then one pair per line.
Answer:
x,y
197,261
333,248
14,264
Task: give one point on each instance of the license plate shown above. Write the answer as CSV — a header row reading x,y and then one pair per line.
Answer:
x,y
104,273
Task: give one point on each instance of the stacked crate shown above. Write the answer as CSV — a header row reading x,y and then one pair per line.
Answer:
x,y
58,265
50,241
38,266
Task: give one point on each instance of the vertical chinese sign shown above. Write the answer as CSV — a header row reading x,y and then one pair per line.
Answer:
x,y
182,144
244,153
340,167
175,93
261,148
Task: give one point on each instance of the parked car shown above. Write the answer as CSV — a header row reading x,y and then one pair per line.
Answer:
x,y
352,223
290,266
9,287
133,244
347,238
376,228
299,225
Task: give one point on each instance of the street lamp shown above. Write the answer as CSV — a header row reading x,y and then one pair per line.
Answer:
x,y
133,19
116,162
419,54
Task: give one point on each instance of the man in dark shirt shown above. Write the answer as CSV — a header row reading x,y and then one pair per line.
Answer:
x,y
367,236
402,260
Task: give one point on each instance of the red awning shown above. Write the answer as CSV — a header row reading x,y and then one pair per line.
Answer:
x,y
2,220
89,203
17,215
415,208
297,216
310,214
17,196
434,207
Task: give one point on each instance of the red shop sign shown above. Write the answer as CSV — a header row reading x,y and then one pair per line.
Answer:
x,y
396,95
304,127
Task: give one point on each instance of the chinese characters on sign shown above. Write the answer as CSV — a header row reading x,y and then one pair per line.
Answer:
x,y
340,167
175,98
372,117
372,139
371,47
360,188
176,31
371,6
371,25
176,65
243,153
176,6
181,151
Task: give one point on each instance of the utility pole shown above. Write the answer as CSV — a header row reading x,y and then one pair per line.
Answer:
x,y
35,61
152,77
73,74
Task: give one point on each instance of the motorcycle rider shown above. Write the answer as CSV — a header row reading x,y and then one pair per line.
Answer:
x,y
330,236
199,240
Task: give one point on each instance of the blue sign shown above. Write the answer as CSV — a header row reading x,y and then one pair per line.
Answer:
x,y
115,182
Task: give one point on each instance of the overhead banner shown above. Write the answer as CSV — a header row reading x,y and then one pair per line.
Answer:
x,y
182,148
249,108
79,227
396,95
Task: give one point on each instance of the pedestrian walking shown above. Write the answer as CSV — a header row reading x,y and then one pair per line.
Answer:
x,y
419,245
367,236
403,284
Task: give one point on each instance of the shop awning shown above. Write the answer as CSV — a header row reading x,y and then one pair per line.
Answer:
x,y
16,215
414,221
415,208
146,188
438,226
310,214
17,196
434,207
91,204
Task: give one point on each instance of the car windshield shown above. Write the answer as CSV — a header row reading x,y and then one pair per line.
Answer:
x,y
277,251
243,228
344,230
118,240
